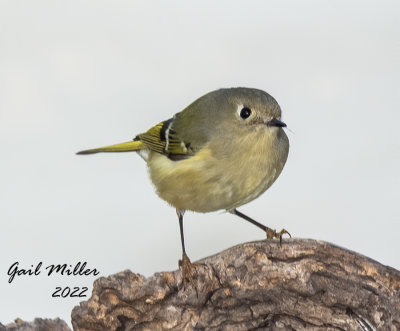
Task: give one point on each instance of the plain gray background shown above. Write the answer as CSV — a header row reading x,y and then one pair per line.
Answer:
x,y
82,74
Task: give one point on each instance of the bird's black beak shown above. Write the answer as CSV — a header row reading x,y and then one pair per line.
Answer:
x,y
275,122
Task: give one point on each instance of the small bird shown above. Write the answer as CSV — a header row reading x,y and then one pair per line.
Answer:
x,y
221,152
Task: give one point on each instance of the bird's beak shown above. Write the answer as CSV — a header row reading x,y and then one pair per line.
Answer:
x,y
275,122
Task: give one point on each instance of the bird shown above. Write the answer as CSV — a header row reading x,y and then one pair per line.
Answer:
x,y
222,151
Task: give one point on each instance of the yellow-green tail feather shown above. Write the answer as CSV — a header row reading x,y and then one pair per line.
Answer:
x,y
122,147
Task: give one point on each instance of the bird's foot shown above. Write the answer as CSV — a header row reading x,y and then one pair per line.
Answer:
x,y
271,234
188,269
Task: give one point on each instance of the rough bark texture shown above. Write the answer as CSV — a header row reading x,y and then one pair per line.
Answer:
x,y
38,324
303,285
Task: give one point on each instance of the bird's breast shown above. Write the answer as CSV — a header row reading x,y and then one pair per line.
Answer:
x,y
220,178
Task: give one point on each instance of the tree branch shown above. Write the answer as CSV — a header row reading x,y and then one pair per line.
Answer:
x,y
302,285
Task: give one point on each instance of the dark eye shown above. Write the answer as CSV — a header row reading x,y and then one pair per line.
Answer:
x,y
245,112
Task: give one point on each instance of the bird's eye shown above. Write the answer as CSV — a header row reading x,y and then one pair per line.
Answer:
x,y
245,112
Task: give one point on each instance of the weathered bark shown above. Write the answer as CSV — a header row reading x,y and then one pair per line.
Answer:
x,y
302,285
38,324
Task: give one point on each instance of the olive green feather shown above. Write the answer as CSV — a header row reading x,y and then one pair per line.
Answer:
x,y
161,138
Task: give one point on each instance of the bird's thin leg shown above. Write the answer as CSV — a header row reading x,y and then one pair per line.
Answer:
x,y
270,232
180,213
187,266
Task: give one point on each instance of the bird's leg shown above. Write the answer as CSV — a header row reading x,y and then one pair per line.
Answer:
x,y
270,232
187,266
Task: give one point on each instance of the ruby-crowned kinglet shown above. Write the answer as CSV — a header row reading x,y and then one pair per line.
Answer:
x,y
220,152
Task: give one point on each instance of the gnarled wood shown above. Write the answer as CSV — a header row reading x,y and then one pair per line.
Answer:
x,y
38,324
302,285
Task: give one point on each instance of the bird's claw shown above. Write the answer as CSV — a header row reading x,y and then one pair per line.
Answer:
x,y
271,234
188,268
188,271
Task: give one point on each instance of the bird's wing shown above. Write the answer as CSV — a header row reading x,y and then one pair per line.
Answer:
x,y
170,138
163,138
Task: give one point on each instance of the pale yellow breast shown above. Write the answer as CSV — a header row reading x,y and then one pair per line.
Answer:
x,y
210,181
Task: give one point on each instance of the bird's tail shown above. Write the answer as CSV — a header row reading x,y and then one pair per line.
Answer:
x,y
129,146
